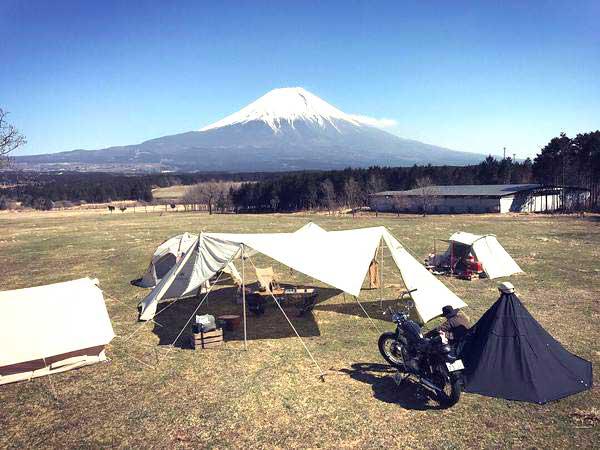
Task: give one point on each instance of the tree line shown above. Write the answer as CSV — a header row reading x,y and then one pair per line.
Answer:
x,y
571,162
350,188
42,189
562,162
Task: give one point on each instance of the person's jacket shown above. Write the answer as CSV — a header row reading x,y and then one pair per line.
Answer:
x,y
455,327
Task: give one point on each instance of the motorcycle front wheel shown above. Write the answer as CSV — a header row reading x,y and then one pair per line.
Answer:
x,y
391,350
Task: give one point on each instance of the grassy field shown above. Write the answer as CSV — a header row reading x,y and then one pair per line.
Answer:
x,y
171,193
270,396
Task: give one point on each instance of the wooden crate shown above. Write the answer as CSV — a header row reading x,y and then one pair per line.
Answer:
x,y
210,339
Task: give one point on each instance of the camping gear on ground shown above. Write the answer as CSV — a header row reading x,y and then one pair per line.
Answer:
x,y
204,322
472,256
258,300
231,321
509,355
52,328
309,298
207,339
429,361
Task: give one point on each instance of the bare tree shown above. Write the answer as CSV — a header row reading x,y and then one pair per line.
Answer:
x,y
10,138
427,191
328,195
353,193
208,194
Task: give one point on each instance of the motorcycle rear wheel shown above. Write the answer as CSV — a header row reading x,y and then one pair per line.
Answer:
x,y
451,389
391,350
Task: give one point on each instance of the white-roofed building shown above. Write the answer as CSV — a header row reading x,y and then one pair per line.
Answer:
x,y
486,198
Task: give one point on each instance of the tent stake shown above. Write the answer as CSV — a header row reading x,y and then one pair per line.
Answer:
x,y
244,298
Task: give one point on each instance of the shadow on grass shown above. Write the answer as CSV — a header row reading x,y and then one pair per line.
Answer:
x,y
409,394
375,308
172,318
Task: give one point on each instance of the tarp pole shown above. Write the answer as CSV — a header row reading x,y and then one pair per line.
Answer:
x,y
451,258
380,274
244,298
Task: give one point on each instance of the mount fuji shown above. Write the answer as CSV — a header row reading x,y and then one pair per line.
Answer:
x,y
286,129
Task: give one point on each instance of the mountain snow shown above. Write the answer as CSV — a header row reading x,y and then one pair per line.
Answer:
x,y
285,106
286,129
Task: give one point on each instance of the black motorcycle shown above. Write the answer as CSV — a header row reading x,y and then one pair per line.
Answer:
x,y
428,360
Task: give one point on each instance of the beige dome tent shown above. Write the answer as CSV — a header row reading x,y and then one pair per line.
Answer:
x,y
486,249
166,256
52,328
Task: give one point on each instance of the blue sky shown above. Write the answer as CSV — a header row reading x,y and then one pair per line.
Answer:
x,y
473,76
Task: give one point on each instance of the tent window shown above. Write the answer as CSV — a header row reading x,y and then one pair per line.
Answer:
x,y
164,264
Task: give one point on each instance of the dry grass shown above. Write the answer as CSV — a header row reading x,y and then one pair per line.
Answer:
x,y
174,193
270,395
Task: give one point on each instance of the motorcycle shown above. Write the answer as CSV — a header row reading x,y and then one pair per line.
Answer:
x,y
430,361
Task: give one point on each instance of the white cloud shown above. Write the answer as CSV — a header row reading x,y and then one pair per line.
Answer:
x,y
375,122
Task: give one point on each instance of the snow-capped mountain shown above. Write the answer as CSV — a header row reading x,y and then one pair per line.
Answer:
x,y
286,129
285,106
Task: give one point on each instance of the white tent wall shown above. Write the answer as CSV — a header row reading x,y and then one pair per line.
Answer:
x,y
495,260
198,266
52,328
493,257
430,294
173,248
176,246
338,258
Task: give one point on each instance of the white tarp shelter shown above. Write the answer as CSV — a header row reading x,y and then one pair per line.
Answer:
x,y
52,328
173,249
493,257
340,259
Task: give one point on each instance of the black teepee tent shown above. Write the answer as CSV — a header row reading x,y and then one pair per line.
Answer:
x,y
507,354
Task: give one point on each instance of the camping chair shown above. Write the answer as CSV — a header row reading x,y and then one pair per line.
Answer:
x,y
266,280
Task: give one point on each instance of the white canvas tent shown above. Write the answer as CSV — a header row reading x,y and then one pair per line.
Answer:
x,y
340,259
166,256
495,260
52,328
